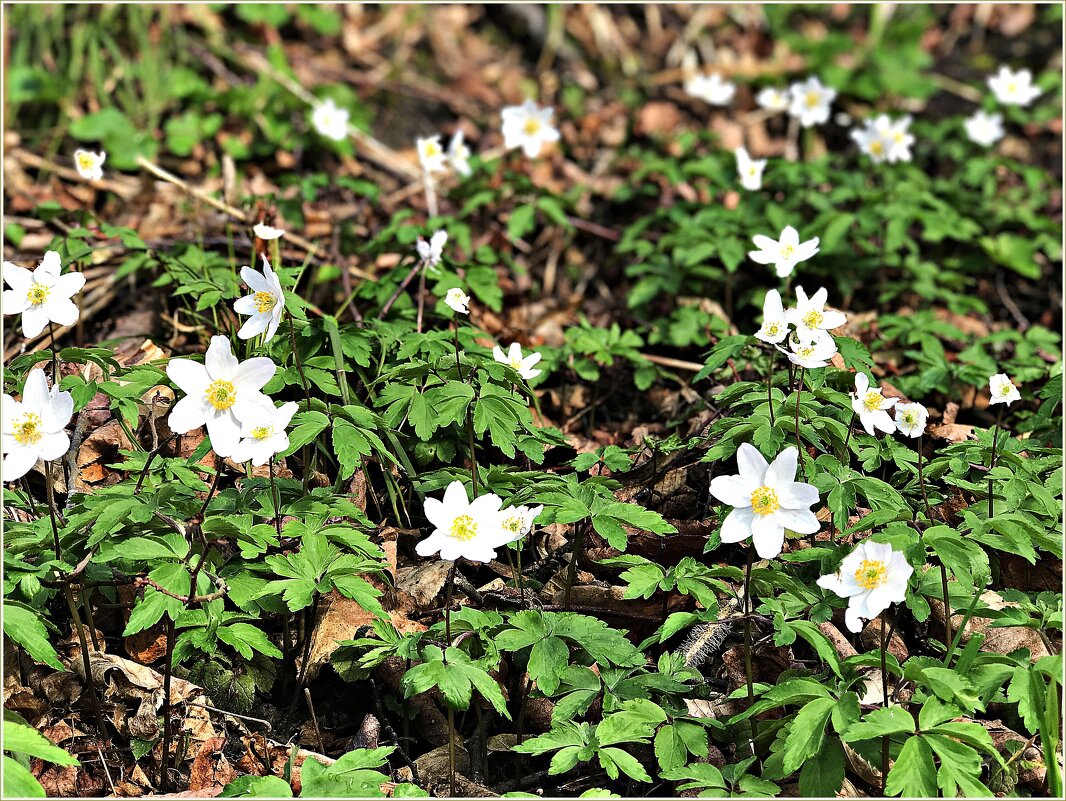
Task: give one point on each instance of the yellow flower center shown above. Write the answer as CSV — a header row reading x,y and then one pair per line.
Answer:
x,y
264,301
1004,389
872,401
897,137
764,501
221,394
28,430
513,524
463,528
910,418
813,319
772,329
876,147
1012,87
805,352
871,574
38,294
85,161
262,432
431,149
516,364
787,251
752,171
532,126
813,98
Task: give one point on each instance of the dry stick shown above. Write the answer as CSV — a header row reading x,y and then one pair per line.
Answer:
x,y
85,598
236,213
314,720
847,439
86,666
266,723
399,290
884,692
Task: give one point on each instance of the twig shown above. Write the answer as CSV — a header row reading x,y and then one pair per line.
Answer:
x,y
107,771
314,719
1008,301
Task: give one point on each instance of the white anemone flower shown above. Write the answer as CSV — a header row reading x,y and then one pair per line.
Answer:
x,y
810,102
711,88
871,406
263,435
222,393
911,419
42,296
90,165
431,154
750,170
513,357
267,232
431,252
897,134
518,521
872,141
464,529
330,120
784,253
774,325
33,427
458,301
984,129
811,318
871,577
459,154
766,500
1002,390
772,98
810,355
1013,88
266,304
529,127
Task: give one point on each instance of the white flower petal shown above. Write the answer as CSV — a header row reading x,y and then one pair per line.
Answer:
x,y
751,463
733,490
737,525
219,360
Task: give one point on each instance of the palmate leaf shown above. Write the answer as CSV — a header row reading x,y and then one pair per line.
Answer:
x,y
913,774
807,732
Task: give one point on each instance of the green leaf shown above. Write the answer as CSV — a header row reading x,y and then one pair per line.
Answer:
x,y
823,776
245,638
22,739
257,787
25,628
611,758
960,768
807,732
547,661
913,774
879,722
19,782
521,221
950,686
821,643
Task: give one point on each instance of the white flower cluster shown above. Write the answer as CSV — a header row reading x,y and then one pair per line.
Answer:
x,y
811,346
465,529
1009,88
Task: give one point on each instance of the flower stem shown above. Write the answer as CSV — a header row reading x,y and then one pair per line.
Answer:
x,y
799,394
55,354
431,208
305,452
992,461
921,479
421,298
884,692
962,626
571,572
275,496
770,386
746,606
451,751
943,568
50,495
847,439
